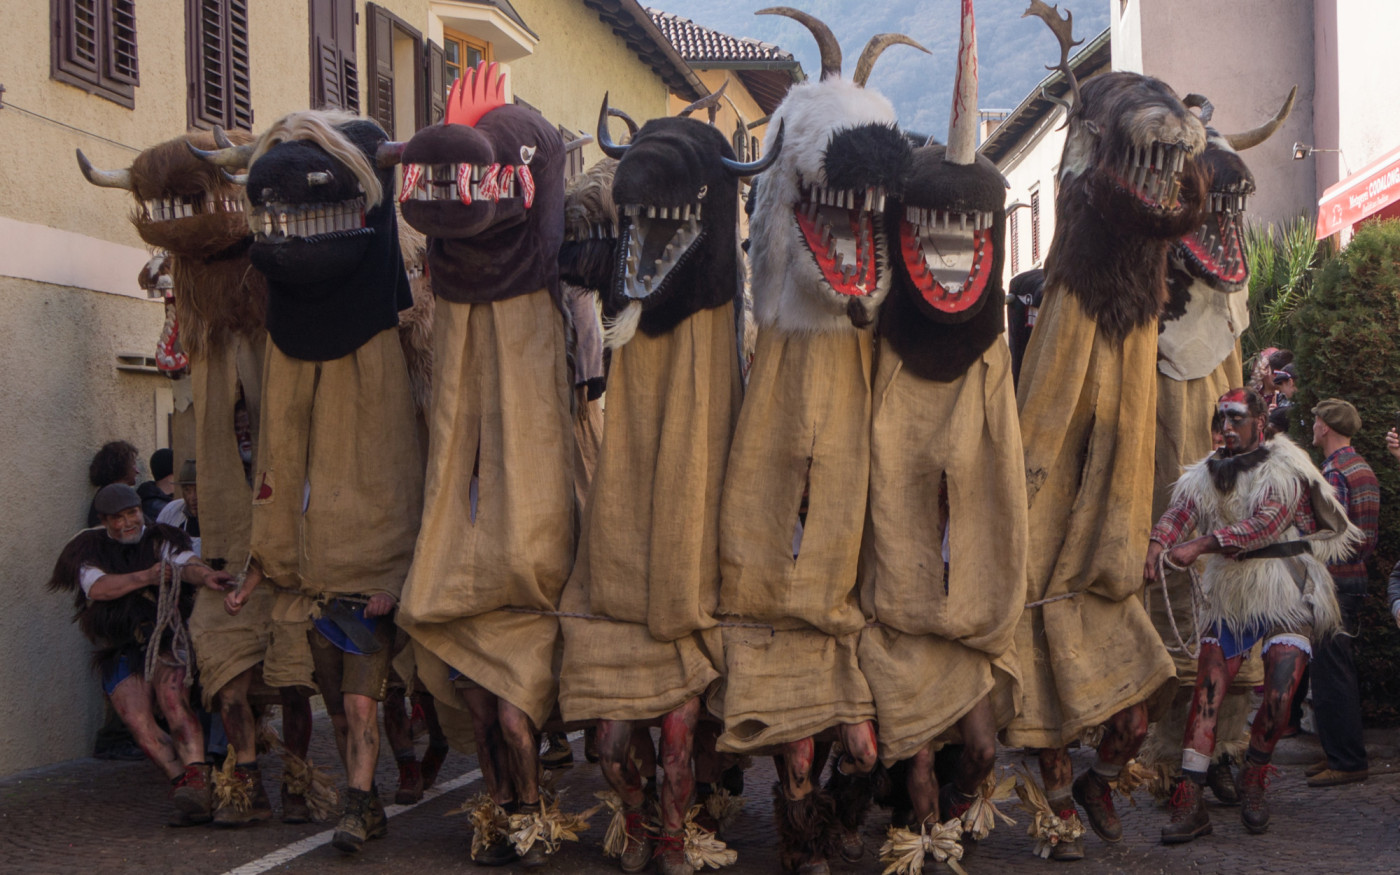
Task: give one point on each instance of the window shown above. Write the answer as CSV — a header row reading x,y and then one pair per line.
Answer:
x,y
394,87
335,75
216,59
462,53
573,158
94,47
1035,227
1015,244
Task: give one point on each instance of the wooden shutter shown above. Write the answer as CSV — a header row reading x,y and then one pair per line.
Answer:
x,y
94,47
435,75
335,73
1035,228
81,39
121,43
240,67
379,39
217,59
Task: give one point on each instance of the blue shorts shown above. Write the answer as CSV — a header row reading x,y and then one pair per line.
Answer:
x,y
1238,642
336,636
113,673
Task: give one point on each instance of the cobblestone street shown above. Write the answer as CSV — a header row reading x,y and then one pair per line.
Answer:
x,y
90,816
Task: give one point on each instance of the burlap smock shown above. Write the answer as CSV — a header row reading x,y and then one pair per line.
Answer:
x,y
226,646
1184,411
501,403
1088,411
649,551
941,645
804,425
337,488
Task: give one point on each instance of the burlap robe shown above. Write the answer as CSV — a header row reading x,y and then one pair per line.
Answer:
x,y
501,403
804,426
649,551
941,645
226,646
1088,422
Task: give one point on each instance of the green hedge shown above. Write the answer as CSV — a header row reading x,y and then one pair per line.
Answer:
x,y
1347,334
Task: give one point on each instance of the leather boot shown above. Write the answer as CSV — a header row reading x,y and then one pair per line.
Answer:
x,y
294,806
410,782
1189,817
670,856
1095,796
1220,778
638,850
1254,808
259,807
363,820
193,795
558,754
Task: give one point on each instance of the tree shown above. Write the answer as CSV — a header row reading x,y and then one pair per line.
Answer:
x,y
1281,265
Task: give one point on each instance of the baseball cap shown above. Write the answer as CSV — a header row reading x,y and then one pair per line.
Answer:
x,y
115,498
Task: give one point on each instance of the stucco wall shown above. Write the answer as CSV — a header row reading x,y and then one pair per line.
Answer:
x,y
1033,164
1245,62
62,397
1366,124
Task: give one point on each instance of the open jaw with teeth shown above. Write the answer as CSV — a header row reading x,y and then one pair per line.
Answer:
x,y
184,206
467,182
948,255
1153,173
280,221
841,228
1217,247
658,239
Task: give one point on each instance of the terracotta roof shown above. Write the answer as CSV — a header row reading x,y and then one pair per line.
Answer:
x,y
696,43
631,22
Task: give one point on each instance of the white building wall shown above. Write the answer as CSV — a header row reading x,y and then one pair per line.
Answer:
x,y
1033,167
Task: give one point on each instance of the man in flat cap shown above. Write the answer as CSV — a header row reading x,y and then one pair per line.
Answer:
x,y
115,572
1336,695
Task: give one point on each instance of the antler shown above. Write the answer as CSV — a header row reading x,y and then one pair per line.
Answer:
x,y
826,41
878,43
1250,139
709,101
1063,28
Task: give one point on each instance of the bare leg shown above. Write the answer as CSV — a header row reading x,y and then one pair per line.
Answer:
x,y
296,720
490,746
1123,735
979,755
644,751
239,725
362,748
677,751
1213,675
1056,771
795,768
174,701
522,749
398,730
923,785
1283,669
132,701
618,767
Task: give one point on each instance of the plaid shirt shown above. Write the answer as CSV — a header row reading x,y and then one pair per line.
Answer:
x,y
1360,493
1260,529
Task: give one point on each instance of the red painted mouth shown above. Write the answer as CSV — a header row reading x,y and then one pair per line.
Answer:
x,y
1217,247
844,231
961,247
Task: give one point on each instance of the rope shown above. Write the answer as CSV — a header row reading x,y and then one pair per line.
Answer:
x,y
1193,649
579,615
168,619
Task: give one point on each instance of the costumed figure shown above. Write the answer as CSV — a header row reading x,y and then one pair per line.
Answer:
x,y
648,561
793,506
195,212
486,186
1089,654
338,481
1023,297
944,557
126,581
1198,359
1267,522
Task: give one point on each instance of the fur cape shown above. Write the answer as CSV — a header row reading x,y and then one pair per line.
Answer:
x,y
1295,590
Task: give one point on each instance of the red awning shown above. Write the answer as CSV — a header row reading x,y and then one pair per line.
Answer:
x,y
1364,193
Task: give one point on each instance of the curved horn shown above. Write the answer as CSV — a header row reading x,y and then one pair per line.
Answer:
x,y
962,123
878,43
830,48
233,156
605,142
626,119
104,178
235,178
221,138
1200,101
1250,139
709,101
741,169
389,154
578,142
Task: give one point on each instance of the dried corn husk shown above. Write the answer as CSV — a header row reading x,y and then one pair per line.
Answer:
x,y
702,848
1046,827
231,791
548,825
268,741
906,852
1157,779
982,816
615,841
304,778
723,806
1092,736
489,821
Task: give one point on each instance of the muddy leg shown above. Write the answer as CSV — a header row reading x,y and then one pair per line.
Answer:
x,y
677,752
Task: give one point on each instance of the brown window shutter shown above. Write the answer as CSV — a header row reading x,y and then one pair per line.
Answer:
x,y
335,79
81,38
217,61
121,42
380,43
240,98
435,74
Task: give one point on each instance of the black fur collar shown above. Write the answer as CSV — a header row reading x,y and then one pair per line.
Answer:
x,y
1225,470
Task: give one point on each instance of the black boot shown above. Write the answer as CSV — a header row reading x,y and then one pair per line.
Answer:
x,y
1190,820
1220,778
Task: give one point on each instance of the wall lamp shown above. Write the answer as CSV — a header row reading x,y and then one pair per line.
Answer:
x,y
1303,150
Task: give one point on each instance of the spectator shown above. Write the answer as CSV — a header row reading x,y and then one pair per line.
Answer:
x,y
157,492
1023,305
183,512
1286,383
1278,422
1336,695
114,463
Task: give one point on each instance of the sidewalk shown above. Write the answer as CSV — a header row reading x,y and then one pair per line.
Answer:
x,y
89,816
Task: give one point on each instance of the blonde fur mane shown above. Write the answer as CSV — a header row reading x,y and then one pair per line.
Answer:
x,y
319,127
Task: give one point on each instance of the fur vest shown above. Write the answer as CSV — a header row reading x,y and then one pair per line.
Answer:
x,y
1280,591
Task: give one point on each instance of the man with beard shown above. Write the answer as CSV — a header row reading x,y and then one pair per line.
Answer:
x,y
1267,523
116,574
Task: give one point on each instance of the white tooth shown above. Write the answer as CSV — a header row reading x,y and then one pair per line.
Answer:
x,y
869,198
651,212
880,204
